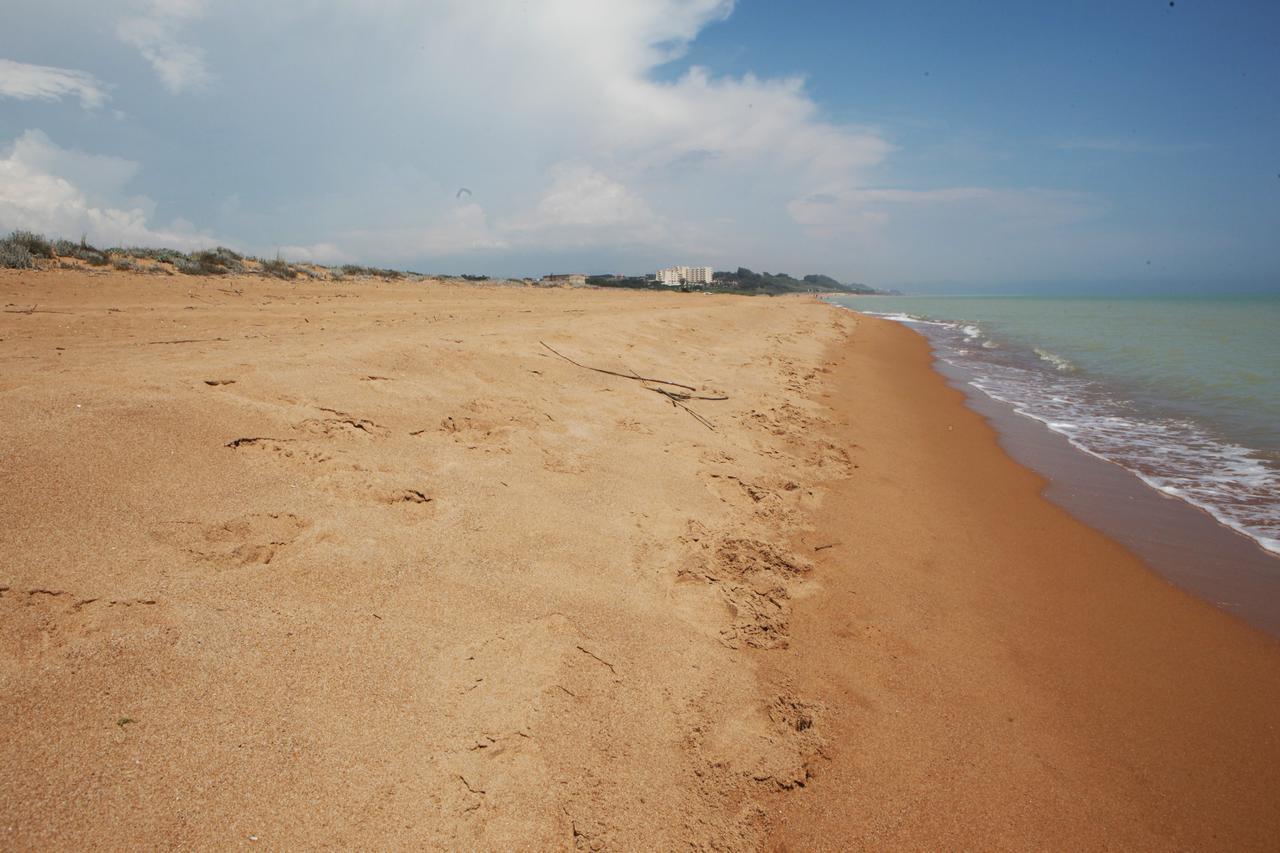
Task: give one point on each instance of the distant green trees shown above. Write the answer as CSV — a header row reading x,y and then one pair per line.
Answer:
x,y
747,281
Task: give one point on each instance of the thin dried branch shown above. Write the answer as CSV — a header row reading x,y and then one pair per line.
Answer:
x,y
615,373
676,400
676,395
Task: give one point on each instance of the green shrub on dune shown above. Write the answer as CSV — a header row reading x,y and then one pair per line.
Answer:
x,y
279,268
15,256
217,261
38,246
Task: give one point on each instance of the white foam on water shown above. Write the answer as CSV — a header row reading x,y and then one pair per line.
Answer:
x,y
1058,362
1176,457
899,317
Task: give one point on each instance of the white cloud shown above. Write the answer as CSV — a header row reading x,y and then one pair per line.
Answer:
x,y
46,83
608,154
157,34
317,253
581,206
346,127
462,230
58,192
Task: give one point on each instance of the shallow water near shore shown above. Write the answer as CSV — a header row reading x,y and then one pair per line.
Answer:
x,y
1183,394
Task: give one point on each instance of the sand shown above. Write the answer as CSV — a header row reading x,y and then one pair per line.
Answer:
x,y
364,564
996,674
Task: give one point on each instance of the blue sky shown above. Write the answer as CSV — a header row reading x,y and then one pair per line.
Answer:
x,y
923,145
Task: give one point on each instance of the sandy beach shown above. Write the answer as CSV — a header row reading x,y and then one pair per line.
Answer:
x,y
374,565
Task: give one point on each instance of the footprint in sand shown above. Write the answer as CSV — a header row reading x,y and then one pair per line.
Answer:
x,y
343,426
39,622
285,449
773,744
755,579
249,540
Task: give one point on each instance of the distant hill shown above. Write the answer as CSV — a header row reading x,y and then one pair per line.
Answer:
x,y
746,281
826,282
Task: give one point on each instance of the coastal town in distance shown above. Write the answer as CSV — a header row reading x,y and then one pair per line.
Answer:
x,y
704,278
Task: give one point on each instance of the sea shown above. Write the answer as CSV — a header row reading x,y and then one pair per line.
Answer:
x,y
1183,392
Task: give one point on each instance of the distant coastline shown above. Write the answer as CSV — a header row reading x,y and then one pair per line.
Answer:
x,y
28,250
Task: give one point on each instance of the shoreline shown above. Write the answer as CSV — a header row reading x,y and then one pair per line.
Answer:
x,y
1119,400
997,673
1180,540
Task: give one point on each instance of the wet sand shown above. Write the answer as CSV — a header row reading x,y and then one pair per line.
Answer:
x,y
995,674
364,564
1181,542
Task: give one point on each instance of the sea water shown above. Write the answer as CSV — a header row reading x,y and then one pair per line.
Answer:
x,y
1184,392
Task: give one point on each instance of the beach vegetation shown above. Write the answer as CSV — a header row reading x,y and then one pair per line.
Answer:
x,y
38,246
356,271
15,256
81,251
279,268
219,261
163,256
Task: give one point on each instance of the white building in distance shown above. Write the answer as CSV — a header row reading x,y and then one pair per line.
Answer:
x,y
674,276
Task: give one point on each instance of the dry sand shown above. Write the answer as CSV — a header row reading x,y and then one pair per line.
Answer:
x,y
363,565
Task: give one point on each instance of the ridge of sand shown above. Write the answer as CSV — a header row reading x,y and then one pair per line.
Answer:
x,y
363,565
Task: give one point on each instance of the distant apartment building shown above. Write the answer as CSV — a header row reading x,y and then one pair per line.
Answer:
x,y
566,279
674,276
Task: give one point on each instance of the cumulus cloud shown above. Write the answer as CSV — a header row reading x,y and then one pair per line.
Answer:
x,y
316,253
60,192
344,129
583,206
579,207
46,83
463,230
611,154
157,35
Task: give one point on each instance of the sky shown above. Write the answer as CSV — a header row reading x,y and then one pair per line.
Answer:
x,y
928,146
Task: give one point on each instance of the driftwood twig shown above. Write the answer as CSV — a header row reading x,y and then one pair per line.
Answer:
x,y
32,310
615,373
188,341
678,400
676,395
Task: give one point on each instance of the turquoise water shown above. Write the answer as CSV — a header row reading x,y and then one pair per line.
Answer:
x,y
1184,392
